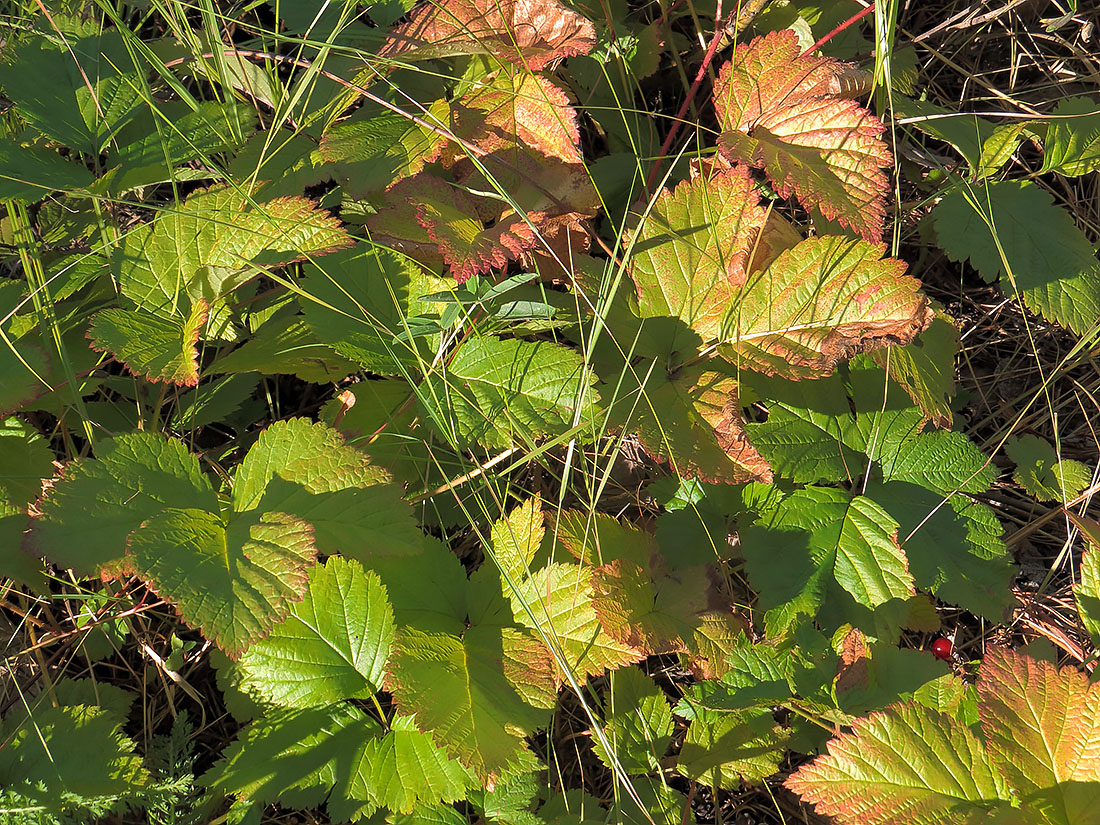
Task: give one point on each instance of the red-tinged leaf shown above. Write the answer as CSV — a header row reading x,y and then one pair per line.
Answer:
x,y
231,581
523,109
160,349
779,111
529,33
694,421
690,251
907,765
1042,728
822,302
654,615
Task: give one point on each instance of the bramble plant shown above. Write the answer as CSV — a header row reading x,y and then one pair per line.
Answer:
x,y
325,344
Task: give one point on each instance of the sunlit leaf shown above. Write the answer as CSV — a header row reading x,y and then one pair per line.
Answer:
x,y
160,349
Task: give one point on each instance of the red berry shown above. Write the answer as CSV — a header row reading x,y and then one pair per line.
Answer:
x,y
942,649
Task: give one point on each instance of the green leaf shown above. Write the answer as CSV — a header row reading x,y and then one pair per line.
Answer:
x,y
925,368
985,147
427,590
25,461
134,477
638,723
1072,144
494,392
780,110
56,754
232,582
823,535
24,366
457,690
155,348
306,470
1042,728
79,93
722,748
556,603
30,173
285,345
904,766
821,302
169,139
1046,259
692,248
516,539
954,547
597,538
1087,589
213,242
359,300
334,644
1042,474
693,420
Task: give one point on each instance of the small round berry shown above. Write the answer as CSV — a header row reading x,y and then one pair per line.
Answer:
x,y
942,649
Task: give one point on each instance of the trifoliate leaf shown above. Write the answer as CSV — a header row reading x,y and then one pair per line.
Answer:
x,y
691,250
560,600
525,32
493,392
334,645
214,241
638,723
1042,728
30,173
133,478
79,92
359,301
1042,474
457,690
820,535
57,754
905,765
160,349
1046,258
779,111
821,302
306,470
1072,144
232,582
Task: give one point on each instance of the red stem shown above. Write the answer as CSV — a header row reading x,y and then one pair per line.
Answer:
x,y
851,21
690,96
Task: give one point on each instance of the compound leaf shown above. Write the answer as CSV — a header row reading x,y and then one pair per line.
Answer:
x,y
334,645
457,691
133,478
907,765
722,748
529,33
1013,228
779,112
232,582
160,349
